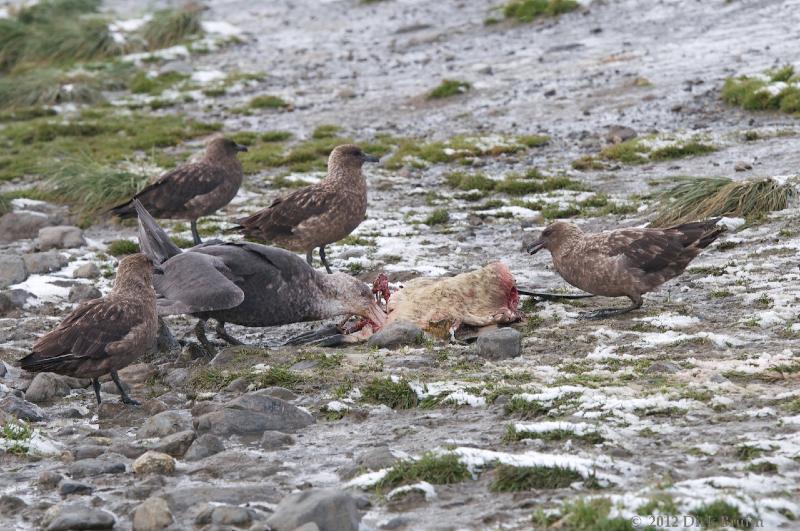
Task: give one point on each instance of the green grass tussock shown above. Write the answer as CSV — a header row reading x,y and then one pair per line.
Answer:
x,y
773,90
530,10
169,27
396,395
267,101
508,478
440,216
433,468
585,515
703,198
122,248
449,88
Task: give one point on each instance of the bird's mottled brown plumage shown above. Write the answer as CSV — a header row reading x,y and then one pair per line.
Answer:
x,y
194,189
624,262
486,296
319,214
103,335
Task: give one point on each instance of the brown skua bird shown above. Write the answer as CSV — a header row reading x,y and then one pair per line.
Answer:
x,y
103,335
316,215
194,189
624,262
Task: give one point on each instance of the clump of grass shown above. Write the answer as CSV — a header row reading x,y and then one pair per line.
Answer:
x,y
268,102
587,515
508,478
449,88
513,184
261,156
122,247
212,379
703,198
530,10
689,149
276,376
460,149
440,216
721,513
764,467
660,503
325,131
47,87
434,468
592,437
142,83
276,136
746,452
18,434
396,395
774,90
169,27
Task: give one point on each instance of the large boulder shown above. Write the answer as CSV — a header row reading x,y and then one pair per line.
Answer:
x,y
60,237
46,387
21,225
12,270
47,262
330,509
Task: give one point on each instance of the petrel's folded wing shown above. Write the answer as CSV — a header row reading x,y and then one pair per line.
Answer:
x,y
196,282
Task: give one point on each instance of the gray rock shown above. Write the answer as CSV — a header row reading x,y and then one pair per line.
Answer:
x,y
398,522
19,297
331,509
396,335
165,423
88,451
152,515
663,367
742,166
181,498
619,133
79,516
21,409
499,344
3,369
177,378
376,458
49,479
176,444
273,440
279,392
47,387
10,504
21,225
239,385
97,466
231,515
309,526
83,292
152,462
88,270
224,358
47,262
204,446
252,414
12,270
74,487
60,237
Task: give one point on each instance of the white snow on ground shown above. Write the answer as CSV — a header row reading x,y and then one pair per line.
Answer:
x,y
207,76
43,288
670,320
423,486
451,392
220,27
578,428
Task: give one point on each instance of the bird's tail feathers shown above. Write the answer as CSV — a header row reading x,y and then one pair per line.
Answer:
x,y
153,241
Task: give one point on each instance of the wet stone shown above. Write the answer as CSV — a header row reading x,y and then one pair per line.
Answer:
x,y
49,479
88,451
151,515
12,270
499,344
397,335
88,270
47,387
330,509
231,515
95,467
10,504
204,446
273,440
78,516
165,423
47,262
176,444
21,409
60,237
74,487
152,462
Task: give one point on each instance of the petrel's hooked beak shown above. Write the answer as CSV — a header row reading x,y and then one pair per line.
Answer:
x,y
370,158
536,246
241,148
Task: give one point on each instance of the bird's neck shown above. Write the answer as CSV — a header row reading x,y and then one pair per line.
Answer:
x,y
327,303
130,286
347,176
231,164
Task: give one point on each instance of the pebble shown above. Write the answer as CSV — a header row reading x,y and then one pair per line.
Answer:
x,y
10,504
21,409
253,413
96,467
396,335
151,515
742,166
83,292
49,479
77,516
330,509
88,270
60,237
176,444
204,446
499,344
273,440
12,270
46,262
154,463
165,423
68,487
47,387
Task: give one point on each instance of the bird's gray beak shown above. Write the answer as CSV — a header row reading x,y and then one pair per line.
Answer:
x,y
536,246
157,270
241,148
370,158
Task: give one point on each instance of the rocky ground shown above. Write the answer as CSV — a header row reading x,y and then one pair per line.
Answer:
x,y
687,407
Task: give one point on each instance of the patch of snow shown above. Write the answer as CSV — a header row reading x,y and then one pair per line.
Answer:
x,y
220,27
207,76
423,486
670,320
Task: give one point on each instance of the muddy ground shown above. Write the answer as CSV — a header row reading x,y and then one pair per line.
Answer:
x,y
695,395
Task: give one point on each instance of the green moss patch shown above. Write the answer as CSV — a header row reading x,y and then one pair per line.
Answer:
x,y
440,216
530,10
773,90
586,515
268,102
722,514
122,248
449,88
459,149
533,182
591,437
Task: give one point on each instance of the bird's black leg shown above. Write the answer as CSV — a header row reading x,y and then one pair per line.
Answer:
x,y
125,398
200,332
324,262
195,234
310,257
610,312
225,336
96,386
